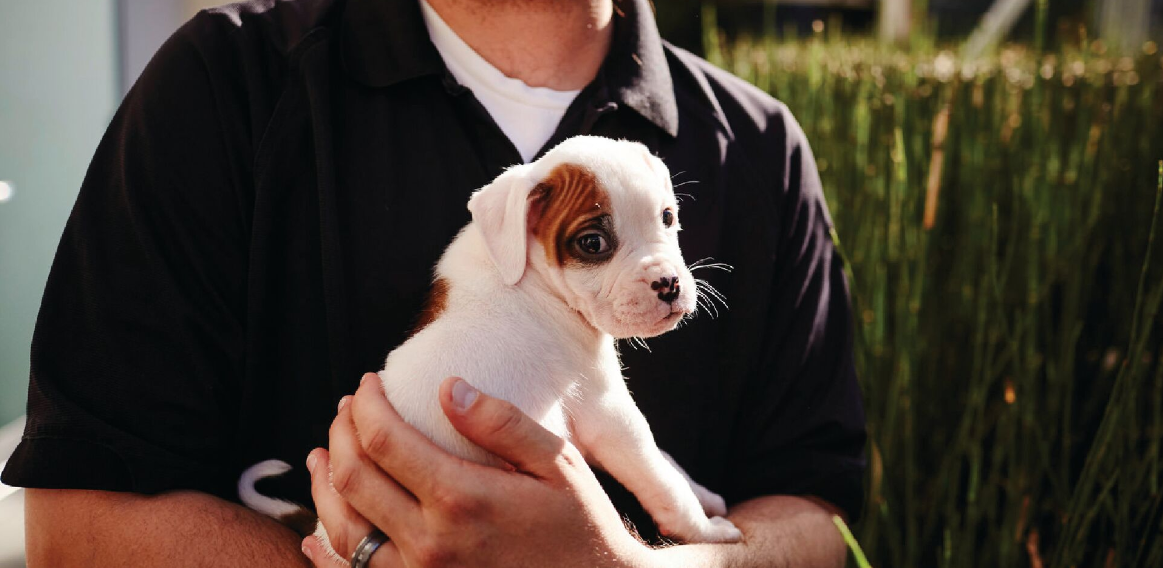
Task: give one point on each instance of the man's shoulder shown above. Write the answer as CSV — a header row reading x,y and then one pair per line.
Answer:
x,y
272,26
248,45
758,129
749,113
231,61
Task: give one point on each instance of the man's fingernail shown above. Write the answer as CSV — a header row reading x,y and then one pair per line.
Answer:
x,y
463,395
307,550
343,402
311,461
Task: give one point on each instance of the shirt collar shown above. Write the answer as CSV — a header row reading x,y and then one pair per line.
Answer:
x,y
385,42
636,70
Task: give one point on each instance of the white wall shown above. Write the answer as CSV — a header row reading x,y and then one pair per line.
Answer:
x,y
144,25
190,7
58,90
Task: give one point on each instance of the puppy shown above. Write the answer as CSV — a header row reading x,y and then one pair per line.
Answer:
x,y
562,256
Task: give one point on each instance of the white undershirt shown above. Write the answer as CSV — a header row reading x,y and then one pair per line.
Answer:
x,y
527,115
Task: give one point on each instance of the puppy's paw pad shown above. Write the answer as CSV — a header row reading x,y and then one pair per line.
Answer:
x,y
722,530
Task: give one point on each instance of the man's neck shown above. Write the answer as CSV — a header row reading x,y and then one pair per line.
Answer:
x,y
559,44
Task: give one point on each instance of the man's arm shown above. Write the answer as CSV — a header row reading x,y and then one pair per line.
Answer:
x,y
139,344
780,530
442,510
185,528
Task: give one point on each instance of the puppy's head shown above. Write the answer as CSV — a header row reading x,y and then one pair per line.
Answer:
x,y
598,221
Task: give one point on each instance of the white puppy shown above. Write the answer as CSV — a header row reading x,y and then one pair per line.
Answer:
x,y
562,256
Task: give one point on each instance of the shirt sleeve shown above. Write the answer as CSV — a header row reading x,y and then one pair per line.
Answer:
x,y
804,428
138,345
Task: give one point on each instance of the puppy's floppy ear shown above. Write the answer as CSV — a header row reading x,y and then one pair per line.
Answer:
x,y
500,211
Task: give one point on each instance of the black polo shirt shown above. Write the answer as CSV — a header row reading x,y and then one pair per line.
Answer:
x,y
260,223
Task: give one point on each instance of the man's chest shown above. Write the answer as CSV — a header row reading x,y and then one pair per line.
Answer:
x,y
349,225
366,191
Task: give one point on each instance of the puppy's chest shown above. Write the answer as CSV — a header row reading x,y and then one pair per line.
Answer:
x,y
544,374
553,393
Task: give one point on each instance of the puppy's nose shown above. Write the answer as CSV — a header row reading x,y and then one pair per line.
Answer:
x,y
667,288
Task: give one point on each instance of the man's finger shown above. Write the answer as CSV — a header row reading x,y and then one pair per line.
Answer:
x,y
320,556
338,518
501,428
408,456
367,489
386,556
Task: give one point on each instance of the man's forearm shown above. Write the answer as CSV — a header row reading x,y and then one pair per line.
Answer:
x,y
98,528
779,531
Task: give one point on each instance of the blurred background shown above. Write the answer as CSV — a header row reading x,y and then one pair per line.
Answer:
x,y
993,168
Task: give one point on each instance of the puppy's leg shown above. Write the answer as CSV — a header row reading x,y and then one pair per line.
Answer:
x,y
713,504
612,430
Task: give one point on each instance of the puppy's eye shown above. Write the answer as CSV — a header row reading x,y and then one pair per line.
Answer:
x,y
593,243
667,218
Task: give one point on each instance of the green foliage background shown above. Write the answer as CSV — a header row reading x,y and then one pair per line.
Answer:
x,y
998,218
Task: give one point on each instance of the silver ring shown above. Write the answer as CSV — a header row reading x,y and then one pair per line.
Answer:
x,y
367,547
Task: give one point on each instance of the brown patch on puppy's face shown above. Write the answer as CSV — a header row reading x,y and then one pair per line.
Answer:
x,y
571,218
600,231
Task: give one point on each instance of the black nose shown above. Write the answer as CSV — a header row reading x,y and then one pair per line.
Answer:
x,y
667,288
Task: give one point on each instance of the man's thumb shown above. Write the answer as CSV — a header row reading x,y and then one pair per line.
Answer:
x,y
500,428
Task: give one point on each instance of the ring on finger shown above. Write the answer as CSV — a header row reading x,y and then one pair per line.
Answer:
x,y
368,546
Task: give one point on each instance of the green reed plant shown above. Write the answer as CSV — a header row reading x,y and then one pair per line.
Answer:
x,y
998,218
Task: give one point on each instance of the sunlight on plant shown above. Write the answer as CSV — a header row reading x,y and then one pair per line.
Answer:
x,y
998,217
854,546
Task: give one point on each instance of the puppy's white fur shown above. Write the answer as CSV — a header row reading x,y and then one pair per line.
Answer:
x,y
541,334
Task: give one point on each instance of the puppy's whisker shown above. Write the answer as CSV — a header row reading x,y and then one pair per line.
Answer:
x,y
712,311
702,263
636,342
708,304
689,181
698,262
674,175
681,196
712,296
713,293
703,303
700,283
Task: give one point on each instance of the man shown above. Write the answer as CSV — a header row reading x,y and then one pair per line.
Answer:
x,y
258,228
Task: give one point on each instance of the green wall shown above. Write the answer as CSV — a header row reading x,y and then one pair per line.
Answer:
x,y
58,90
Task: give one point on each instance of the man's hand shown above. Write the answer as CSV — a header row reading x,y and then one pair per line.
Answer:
x,y
547,509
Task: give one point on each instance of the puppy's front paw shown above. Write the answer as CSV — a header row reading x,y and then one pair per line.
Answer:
x,y
702,529
713,504
723,530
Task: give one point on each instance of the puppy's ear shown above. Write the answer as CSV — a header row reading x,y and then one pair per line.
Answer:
x,y
500,211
